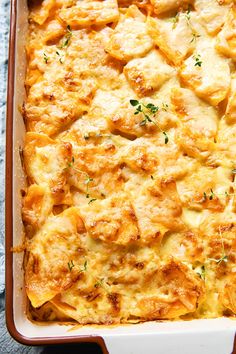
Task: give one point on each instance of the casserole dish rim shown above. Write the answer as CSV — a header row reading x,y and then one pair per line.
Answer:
x,y
9,229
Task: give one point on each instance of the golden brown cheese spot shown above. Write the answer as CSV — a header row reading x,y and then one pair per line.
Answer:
x,y
52,249
199,124
140,157
40,13
44,154
158,209
230,114
228,295
49,33
161,6
226,143
176,43
109,203
130,38
226,40
50,107
170,289
111,220
147,74
186,246
115,107
90,12
194,144
36,207
213,15
88,60
207,74
195,113
173,162
220,230
180,292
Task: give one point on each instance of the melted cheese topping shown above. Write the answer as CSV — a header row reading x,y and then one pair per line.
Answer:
x,y
130,210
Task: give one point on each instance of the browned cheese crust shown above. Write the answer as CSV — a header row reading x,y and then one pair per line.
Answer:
x,y
130,207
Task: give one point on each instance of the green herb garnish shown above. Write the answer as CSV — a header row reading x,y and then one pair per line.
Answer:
x,y
87,181
60,57
195,36
202,272
86,136
99,283
211,196
67,37
198,61
224,257
146,111
85,266
70,265
45,58
92,200
188,14
165,107
175,20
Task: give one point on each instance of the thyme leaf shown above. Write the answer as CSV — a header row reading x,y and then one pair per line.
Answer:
x,y
99,283
224,257
45,58
198,61
60,57
85,266
175,20
67,37
202,272
87,180
194,37
70,265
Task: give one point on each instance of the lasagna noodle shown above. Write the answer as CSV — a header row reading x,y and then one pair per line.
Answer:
x,y
130,209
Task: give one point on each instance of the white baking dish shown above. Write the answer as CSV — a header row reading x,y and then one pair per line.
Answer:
x,y
199,336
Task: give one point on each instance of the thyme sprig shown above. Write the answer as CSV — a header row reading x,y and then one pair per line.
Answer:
x,y
149,112
187,16
165,107
175,20
45,58
195,36
67,38
59,57
202,272
85,266
99,283
224,257
71,266
212,195
87,181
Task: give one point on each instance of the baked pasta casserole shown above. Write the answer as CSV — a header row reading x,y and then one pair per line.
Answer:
x,y
130,204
